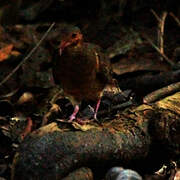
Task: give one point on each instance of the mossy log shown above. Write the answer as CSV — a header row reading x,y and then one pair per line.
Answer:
x,y
129,140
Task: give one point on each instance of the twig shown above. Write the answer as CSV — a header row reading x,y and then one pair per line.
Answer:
x,y
175,18
28,56
161,33
156,16
9,94
158,50
158,94
160,30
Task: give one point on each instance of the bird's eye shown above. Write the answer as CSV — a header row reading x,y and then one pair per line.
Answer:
x,y
73,35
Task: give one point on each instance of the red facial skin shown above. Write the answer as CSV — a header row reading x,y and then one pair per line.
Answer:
x,y
73,38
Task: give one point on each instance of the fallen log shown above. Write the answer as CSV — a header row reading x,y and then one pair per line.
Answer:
x,y
137,135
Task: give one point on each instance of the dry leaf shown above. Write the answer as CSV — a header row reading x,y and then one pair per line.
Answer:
x,y
5,52
84,127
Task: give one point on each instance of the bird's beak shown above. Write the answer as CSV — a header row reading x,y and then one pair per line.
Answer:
x,y
60,51
62,46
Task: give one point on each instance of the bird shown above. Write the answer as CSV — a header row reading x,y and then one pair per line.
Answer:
x,y
82,69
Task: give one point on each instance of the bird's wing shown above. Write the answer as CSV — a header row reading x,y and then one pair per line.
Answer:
x,y
99,59
103,72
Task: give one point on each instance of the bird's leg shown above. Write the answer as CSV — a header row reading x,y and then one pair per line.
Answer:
x,y
73,115
96,109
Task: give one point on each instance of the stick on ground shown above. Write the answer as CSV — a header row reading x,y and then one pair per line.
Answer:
x,y
27,57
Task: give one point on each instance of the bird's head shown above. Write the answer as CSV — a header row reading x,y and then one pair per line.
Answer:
x,y
70,37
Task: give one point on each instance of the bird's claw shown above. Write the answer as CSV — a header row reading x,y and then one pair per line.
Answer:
x,y
71,118
95,117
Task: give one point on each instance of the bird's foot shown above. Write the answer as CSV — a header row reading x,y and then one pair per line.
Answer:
x,y
81,121
73,115
71,118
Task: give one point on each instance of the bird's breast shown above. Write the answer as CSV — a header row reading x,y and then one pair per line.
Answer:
x,y
76,72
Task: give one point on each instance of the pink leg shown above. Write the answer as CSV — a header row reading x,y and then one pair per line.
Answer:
x,y
96,110
73,115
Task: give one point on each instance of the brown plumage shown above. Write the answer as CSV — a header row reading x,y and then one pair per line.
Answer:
x,y
82,69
